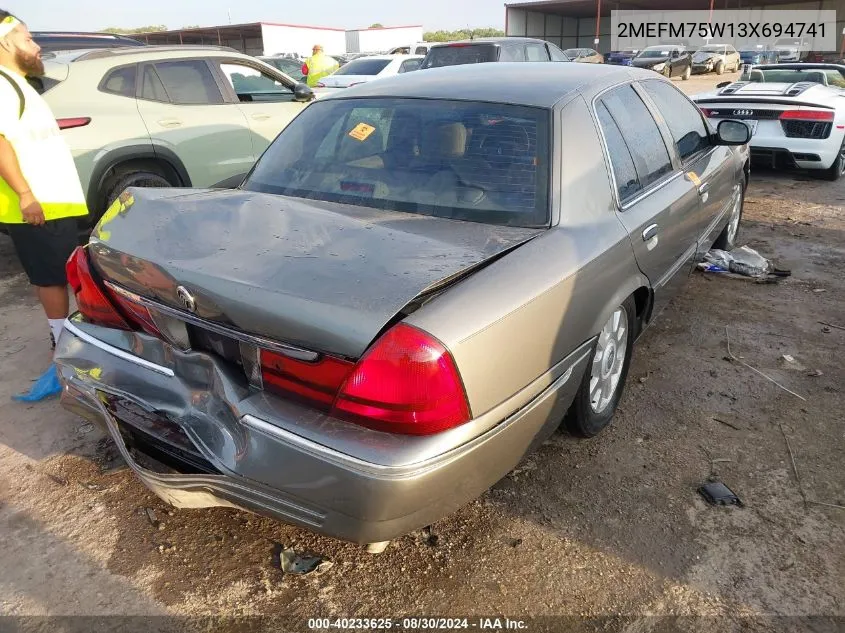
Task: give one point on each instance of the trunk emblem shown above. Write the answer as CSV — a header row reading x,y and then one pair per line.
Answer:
x,y
743,112
186,299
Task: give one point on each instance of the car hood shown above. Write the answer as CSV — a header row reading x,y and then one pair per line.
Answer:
x,y
324,276
703,57
646,62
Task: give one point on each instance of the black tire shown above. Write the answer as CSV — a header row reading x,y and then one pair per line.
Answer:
x,y
667,72
720,68
724,241
687,73
581,419
123,177
837,169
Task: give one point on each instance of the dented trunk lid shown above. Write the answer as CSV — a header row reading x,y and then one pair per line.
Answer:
x,y
327,277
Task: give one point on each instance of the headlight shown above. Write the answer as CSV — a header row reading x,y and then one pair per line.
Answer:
x,y
658,67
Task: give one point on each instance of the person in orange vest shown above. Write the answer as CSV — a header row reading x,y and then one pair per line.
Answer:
x,y
319,65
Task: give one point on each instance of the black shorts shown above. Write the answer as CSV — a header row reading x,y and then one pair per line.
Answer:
x,y
44,250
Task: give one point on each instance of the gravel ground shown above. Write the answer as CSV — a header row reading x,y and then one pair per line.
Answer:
x,y
607,527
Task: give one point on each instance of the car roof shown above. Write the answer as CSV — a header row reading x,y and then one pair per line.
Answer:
x,y
801,66
536,84
490,40
143,52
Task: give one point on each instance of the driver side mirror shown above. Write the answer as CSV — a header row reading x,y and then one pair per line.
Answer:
x,y
732,133
303,93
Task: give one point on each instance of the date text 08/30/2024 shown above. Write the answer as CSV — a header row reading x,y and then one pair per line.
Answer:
x,y
417,624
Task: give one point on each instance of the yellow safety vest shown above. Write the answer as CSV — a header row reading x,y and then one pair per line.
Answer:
x,y
44,158
320,65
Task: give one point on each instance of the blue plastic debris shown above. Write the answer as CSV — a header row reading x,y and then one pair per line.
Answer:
x,y
47,385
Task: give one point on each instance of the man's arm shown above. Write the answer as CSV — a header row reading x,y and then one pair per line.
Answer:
x,y
10,171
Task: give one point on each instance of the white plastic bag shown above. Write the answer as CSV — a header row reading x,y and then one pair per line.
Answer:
x,y
742,261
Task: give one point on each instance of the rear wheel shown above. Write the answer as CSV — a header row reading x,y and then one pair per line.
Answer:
x,y
131,175
727,238
837,169
604,381
720,68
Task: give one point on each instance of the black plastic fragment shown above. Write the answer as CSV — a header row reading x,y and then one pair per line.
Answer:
x,y
718,494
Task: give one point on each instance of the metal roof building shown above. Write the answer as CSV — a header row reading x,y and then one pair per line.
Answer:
x,y
578,23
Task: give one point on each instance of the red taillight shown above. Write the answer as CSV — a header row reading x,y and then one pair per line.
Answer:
x,y
66,124
318,381
706,112
90,299
406,383
137,313
807,115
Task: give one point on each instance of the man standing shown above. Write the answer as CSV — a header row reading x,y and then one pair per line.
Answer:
x,y
40,194
319,65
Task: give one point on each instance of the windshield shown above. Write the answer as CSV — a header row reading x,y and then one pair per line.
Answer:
x,y
459,54
655,52
364,66
787,76
480,162
712,49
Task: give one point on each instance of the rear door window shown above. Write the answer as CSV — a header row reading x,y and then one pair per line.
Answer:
x,y
556,54
409,65
189,82
151,87
683,118
641,134
622,163
459,54
512,54
536,53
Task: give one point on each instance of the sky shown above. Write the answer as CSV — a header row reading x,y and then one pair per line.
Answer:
x,y
93,15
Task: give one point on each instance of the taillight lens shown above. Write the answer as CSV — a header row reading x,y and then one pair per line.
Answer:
x,y
67,124
90,298
706,112
406,383
137,313
317,381
807,115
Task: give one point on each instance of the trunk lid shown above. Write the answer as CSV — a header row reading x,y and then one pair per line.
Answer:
x,y
327,277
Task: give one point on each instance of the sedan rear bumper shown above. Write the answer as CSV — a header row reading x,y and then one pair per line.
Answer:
x,y
198,437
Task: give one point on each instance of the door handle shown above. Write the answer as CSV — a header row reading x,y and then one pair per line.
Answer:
x,y
169,122
704,188
261,117
650,232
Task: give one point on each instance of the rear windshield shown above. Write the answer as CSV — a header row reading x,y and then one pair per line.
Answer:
x,y
364,67
471,161
787,76
459,54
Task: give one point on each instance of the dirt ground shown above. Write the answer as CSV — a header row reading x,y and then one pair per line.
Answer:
x,y
610,527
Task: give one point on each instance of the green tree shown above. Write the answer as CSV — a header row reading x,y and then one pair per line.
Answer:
x,y
141,29
461,34
377,25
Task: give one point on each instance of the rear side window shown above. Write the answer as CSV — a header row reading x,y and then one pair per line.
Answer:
x,y
682,117
641,134
120,81
189,82
420,50
410,65
536,53
557,54
512,54
459,54
624,172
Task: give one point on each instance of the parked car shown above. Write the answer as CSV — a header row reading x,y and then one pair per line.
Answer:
x,y
621,58
790,49
669,61
365,69
419,48
53,41
500,49
758,54
796,113
166,116
584,55
522,225
718,58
